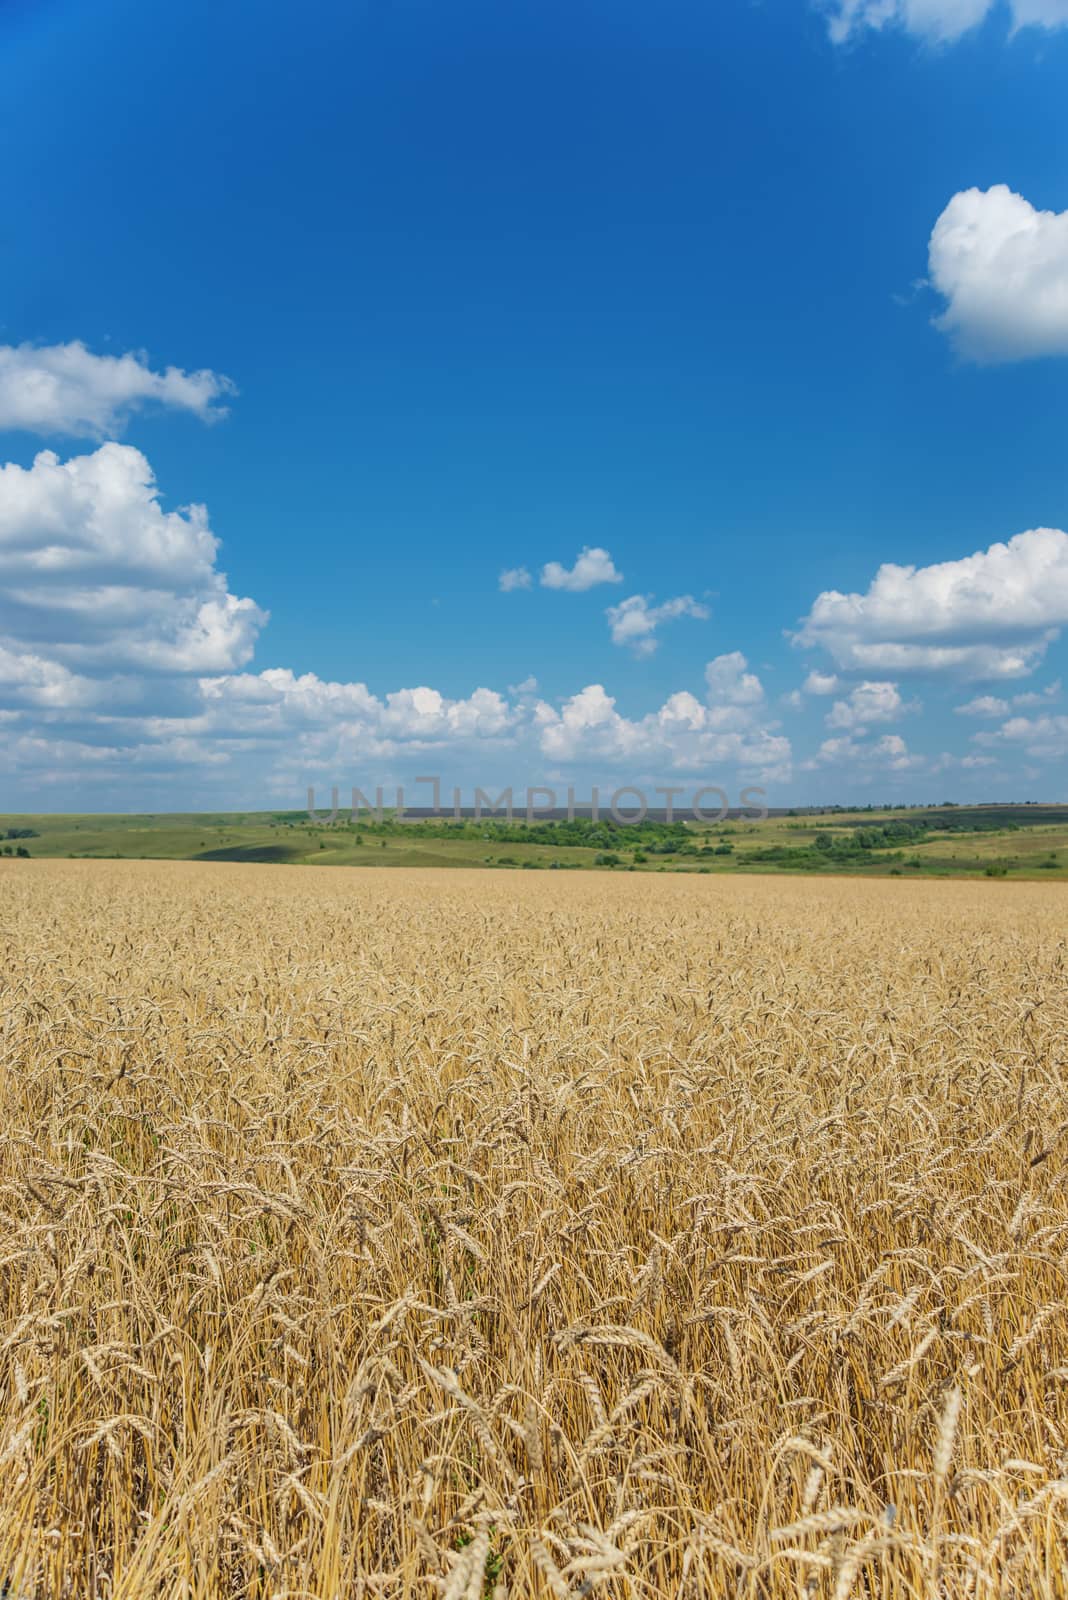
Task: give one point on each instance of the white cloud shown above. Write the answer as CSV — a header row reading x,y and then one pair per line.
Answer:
x,y
992,705
816,683
300,729
316,726
730,683
121,651
514,578
28,679
888,754
868,702
426,714
1041,738
1040,13
65,388
276,704
820,683
1002,268
1039,697
988,615
984,705
634,621
937,21
684,735
592,566
893,752
97,577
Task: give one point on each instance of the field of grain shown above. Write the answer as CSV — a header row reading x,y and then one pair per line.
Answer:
x,y
475,1234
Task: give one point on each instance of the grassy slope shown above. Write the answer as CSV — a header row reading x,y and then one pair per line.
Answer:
x,y
1038,848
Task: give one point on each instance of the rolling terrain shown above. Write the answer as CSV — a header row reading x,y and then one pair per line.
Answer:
x,y
1026,841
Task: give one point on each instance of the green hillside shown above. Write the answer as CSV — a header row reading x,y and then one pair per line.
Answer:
x,y
993,841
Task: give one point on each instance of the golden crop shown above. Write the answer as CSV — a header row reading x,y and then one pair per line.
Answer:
x,y
455,1234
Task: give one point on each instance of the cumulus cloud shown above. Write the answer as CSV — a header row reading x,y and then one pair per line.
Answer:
x,y
989,615
66,389
514,578
888,754
816,683
426,714
334,726
984,705
346,719
31,680
1002,268
299,729
892,750
1040,13
273,728
869,702
1039,697
731,683
992,705
634,621
123,652
725,731
683,735
1041,738
592,566
936,21
97,577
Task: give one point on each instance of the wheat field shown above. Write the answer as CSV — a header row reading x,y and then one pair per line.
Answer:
x,y
473,1235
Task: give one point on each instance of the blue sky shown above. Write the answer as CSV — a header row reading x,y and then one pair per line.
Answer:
x,y
751,301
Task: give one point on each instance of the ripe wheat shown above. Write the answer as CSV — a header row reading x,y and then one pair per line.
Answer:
x,y
471,1235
